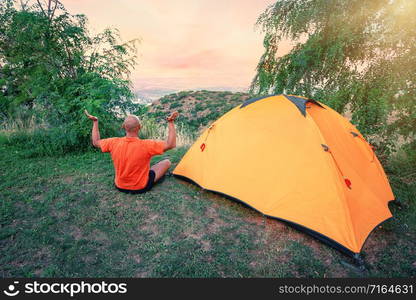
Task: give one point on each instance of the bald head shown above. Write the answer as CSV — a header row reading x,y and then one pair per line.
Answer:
x,y
131,124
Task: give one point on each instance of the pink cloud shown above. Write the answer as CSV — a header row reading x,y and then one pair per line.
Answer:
x,y
204,58
187,43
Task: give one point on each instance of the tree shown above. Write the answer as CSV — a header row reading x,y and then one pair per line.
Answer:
x,y
51,64
355,55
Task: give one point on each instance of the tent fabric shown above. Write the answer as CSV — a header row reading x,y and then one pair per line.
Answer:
x,y
314,169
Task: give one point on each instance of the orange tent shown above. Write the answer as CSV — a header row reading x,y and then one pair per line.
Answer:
x,y
296,160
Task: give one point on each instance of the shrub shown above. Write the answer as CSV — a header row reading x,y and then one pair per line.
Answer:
x,y
199,107
175,104
164,100
45,142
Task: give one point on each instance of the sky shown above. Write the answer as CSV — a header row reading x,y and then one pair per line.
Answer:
x,y
185,44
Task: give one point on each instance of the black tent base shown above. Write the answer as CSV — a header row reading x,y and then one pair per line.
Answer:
x,y
358,261
357,268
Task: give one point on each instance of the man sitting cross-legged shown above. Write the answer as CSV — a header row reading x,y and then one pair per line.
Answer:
x,y
131,155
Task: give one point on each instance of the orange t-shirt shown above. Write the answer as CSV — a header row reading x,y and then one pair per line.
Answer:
x,y
131,157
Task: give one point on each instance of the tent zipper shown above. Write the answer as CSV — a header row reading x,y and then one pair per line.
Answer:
x,y
203,145
346,180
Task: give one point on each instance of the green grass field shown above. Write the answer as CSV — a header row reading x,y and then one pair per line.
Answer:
x,y
61,217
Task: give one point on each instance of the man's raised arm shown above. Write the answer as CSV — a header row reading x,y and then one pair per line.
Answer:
x,y
171,140
95,133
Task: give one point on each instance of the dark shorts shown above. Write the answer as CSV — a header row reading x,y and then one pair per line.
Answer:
x,y
148,187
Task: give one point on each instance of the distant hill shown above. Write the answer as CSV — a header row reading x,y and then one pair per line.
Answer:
x,y
197,108
145,96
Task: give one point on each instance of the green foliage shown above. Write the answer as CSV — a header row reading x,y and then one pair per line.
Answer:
x,y
356,56
164,100
199,107
45,142
174,105
51,65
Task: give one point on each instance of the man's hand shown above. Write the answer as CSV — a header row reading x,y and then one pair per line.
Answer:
x,y
171,140
172,117
95,134
92,118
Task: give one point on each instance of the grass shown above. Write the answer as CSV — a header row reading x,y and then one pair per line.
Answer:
x,y
61,217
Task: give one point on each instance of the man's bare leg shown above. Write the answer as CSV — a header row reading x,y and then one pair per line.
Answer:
x,y
161,168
